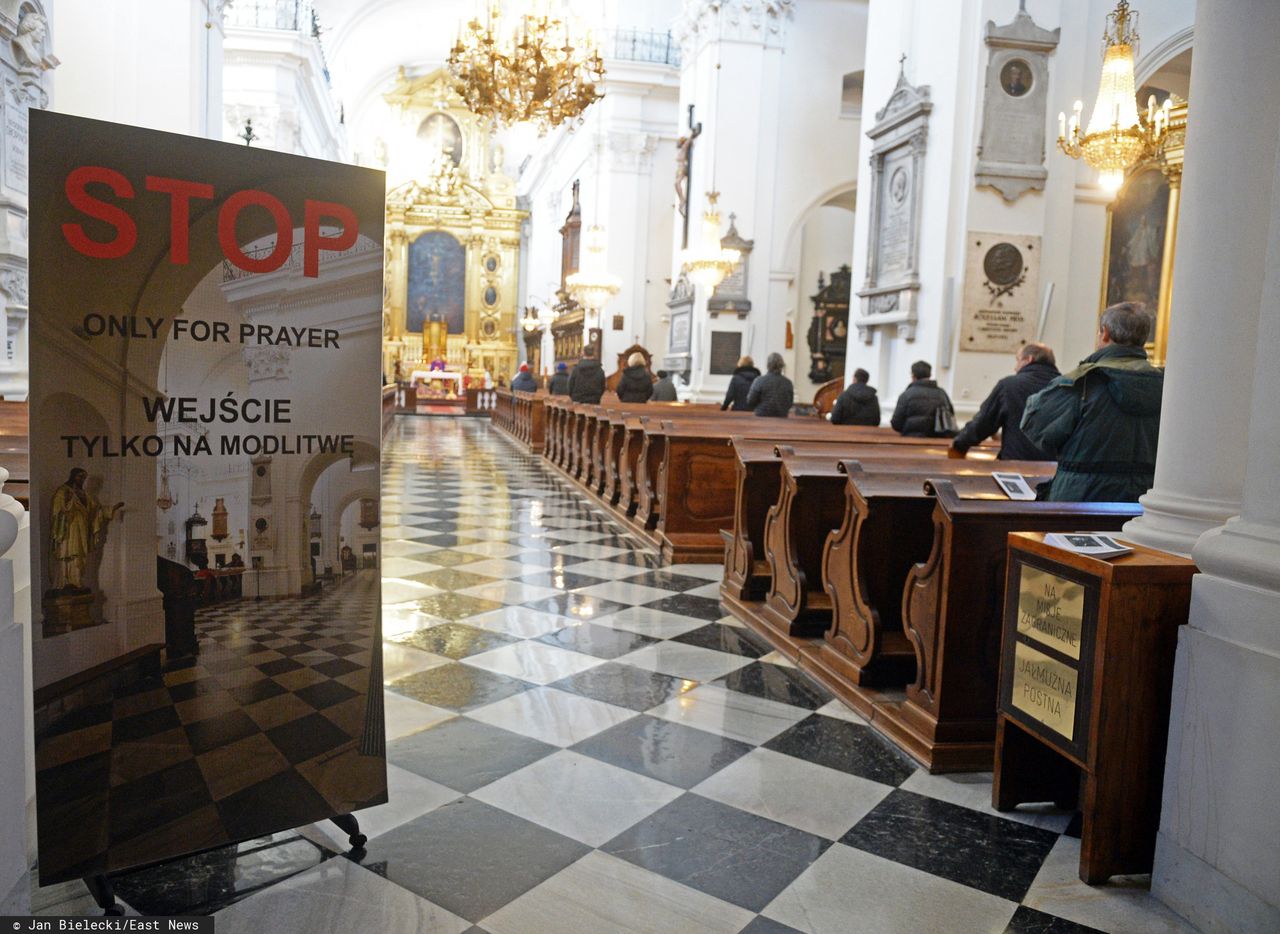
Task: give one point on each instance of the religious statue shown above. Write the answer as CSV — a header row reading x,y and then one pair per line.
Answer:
x,y
78,528
684,169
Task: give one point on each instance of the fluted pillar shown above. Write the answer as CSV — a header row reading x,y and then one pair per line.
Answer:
x,y
1217,860
1218,275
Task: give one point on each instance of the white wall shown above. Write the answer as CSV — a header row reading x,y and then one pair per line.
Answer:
x,y
825,244
1069,214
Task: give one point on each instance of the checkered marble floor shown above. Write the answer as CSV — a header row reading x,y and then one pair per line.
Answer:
x,y
579,740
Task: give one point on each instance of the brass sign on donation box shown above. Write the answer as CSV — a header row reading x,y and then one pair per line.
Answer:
x,y
1045,689
1050,610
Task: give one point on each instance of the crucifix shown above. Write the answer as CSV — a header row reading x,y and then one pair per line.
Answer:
x,y
684,173
248,135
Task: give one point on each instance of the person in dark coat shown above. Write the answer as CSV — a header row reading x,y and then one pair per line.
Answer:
x,y
858,404
586,382
771,395
560,382
524,381
635,384
916,414
1102,420
664,390
744,375
1033,369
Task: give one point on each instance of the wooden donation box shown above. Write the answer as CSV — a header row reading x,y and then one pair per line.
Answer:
x,y
1086,672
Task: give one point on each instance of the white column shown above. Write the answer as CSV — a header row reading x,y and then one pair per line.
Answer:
x,y
1218,275
16,786
1217,859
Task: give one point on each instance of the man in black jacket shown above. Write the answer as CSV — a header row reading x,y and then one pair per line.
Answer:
x,y
917,412
858,404
664,390
586,382
1001,411
560,382
744,375
771,395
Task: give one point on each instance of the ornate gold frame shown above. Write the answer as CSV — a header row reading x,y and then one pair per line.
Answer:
x,y
1170,163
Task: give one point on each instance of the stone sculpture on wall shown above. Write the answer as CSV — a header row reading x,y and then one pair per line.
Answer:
x,y
899,140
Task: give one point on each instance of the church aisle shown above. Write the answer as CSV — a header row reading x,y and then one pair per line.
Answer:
x,y
580,741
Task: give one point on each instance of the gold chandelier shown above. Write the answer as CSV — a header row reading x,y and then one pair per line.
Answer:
x,y
1117,137
707,263
534,68
592,285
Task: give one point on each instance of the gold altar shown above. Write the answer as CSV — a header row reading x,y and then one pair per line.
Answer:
x,y
453,240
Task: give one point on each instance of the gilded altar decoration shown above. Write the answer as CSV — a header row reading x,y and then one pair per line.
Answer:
x,y
534,67
453,245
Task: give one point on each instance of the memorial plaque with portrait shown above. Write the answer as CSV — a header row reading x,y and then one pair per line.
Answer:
x,y
1138,219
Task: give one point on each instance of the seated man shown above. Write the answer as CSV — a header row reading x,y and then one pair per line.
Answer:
x,y
1033,369
587,381
858,404
1102,420
524,381
560,382
924,409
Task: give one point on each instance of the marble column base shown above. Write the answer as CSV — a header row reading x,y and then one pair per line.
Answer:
x,y
1217,862
1173,522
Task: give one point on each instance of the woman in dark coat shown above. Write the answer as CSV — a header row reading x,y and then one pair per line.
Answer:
x,y
740,385
635,385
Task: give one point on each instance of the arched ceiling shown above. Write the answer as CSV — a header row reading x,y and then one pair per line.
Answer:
x,y
367,41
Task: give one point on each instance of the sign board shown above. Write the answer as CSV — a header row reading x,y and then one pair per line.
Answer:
x,y
1050,621
1001,293
205,342
726,350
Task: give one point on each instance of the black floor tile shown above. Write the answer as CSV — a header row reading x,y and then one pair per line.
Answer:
x,y
849,747
670,752
280,802
717,849
683,604
455,640
723,638
458,687
1030,921
777,683
625,686
306,738
668,580
219,730
465,754
989,853
470,858
598,641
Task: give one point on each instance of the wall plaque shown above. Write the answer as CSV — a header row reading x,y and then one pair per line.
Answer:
x,y
890,292
731,294
680,329
15,146
1045,689
1050,610
726,349
1001,292
1011,153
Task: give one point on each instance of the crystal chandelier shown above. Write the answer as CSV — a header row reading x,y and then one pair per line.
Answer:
x,y
534,68
592,285
1117,137
707,263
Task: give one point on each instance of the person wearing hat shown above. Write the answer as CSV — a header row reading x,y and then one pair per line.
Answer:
x,y
524,381
560,382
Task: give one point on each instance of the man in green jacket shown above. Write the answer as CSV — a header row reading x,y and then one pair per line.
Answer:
x,y
1101,421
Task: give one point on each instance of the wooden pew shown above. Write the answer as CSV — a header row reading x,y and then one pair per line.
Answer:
x,y
758,468
886,528
15,447
810,508
951,608
521,417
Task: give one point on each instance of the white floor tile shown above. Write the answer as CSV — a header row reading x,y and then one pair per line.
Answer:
x,y
791,791
397,590
883,896
405,567
1125,903
519,621
655,623
606,569
510,592
691,662
606,800
408,796
622,592
533,661
602,893
551,715
401,660
728,713
405,716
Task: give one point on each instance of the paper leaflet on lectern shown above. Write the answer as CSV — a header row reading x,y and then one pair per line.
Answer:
x,y
205,440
